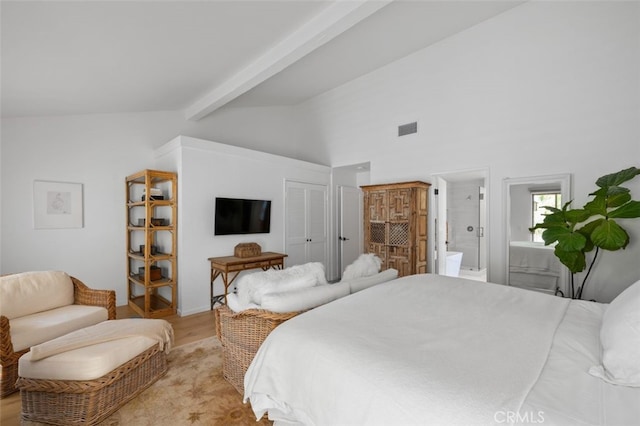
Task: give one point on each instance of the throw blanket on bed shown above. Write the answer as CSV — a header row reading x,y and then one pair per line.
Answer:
x,y
157,329
422,349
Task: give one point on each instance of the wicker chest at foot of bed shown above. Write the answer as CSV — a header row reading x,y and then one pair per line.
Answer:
x,y
68,402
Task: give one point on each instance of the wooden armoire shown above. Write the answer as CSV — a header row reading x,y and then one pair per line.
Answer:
x,y
395,225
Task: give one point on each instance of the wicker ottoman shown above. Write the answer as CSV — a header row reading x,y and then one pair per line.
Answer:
x,y
80,398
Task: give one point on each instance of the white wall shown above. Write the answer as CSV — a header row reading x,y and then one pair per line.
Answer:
x,y
544,77
99,151
207,170
521,213
544,88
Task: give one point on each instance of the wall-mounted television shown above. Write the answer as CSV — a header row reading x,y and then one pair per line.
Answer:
x,y
241,216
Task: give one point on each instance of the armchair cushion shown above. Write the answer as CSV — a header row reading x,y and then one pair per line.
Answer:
x,y
34,329
87,363
31,292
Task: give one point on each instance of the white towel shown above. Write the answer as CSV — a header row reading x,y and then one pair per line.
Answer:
x,y
157,329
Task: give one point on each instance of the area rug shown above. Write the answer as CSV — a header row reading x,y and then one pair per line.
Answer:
x,y
193,392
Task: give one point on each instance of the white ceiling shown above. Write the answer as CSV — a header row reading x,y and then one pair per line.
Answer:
x,y
72,57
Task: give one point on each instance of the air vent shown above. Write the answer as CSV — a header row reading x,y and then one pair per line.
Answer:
x,y
408,129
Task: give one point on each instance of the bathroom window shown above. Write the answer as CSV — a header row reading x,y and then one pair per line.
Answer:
x,y
539,201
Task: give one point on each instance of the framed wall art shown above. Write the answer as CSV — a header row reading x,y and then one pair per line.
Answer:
x,y
57,205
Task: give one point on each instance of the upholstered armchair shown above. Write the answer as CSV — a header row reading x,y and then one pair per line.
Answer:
x,y
39,306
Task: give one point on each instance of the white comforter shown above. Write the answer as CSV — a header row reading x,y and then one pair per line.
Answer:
x,y
565,393
422,349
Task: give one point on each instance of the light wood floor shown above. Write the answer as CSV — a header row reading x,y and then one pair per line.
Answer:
x,y
186,330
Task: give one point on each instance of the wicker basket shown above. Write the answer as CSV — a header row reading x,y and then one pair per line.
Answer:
x,y
67,402
247,250
241,334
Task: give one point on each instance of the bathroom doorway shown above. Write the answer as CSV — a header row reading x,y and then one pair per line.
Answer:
x,y
463,223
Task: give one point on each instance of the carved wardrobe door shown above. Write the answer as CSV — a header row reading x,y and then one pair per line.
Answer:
x,y
395,225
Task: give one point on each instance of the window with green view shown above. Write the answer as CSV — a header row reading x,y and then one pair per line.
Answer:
x,y
539,201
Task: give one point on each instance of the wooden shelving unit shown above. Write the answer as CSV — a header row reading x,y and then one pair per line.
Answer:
x,y
152,242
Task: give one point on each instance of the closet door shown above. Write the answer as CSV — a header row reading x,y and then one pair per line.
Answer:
x,y
306,223
295,224
317,224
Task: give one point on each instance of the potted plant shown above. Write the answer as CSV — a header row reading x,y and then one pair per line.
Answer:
x,y
576,232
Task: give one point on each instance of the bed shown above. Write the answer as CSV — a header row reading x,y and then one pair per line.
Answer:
x,y
428,349
533,265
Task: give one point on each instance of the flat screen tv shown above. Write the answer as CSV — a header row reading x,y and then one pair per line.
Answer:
x,y
240,216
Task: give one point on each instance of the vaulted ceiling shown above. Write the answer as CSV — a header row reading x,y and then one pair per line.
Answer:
x,y
71,57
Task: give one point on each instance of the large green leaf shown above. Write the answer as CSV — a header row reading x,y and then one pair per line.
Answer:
x,y
586,230
574,260
610,236
577,215
553,234
616,200
572,241
551,220
597,206
602,192
555,219
615,179
628,211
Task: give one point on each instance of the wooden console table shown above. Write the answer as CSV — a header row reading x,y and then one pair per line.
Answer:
x,y
223,266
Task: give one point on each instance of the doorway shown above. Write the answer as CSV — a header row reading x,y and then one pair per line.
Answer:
x,y
350,215
462,224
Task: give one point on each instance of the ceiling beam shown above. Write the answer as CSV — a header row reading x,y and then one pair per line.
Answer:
x,y
338,17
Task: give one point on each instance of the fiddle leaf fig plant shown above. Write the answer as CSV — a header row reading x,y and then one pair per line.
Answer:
x,y
576,232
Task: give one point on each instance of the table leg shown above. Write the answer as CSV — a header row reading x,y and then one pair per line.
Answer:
x,y
214,274
225,280
221,298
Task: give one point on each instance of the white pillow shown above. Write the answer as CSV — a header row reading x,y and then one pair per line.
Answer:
x,y
620,339
366,282
365,265
314,269
234,304
304,299
251,287
28,293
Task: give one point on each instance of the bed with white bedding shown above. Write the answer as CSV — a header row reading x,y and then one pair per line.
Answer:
x,y
428,349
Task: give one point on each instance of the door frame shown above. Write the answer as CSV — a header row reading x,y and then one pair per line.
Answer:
x,y
439,238
358,233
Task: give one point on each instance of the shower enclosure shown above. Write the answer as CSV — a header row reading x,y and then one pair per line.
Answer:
x,y
466,221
